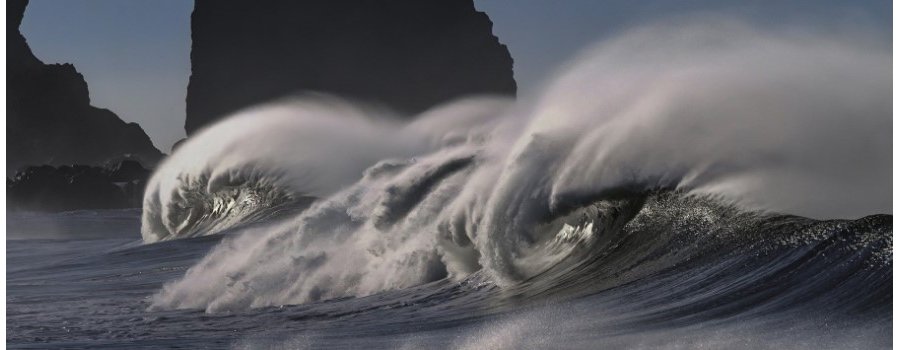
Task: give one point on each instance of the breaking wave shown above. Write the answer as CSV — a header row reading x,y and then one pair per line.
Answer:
x,y
667,147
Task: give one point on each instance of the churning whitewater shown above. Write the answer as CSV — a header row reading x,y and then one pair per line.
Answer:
x,y
681,149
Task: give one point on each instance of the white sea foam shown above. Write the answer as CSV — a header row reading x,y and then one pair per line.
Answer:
x,y
772,121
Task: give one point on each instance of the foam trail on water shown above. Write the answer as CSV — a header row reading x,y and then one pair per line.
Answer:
x,y
771,122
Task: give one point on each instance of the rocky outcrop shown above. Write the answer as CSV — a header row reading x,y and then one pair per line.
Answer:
x,y
49,119
47,188
404,54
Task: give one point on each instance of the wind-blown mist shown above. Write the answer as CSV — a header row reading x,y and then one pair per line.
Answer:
x,y
728,117
271,156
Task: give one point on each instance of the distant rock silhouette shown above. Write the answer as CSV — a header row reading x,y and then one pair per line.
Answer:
x,y
49,118
408,55
47,188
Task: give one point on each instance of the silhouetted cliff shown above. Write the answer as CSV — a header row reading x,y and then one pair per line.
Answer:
x,y
406,54
49,118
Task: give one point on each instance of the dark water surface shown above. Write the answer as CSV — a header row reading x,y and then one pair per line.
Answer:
x,y
827,284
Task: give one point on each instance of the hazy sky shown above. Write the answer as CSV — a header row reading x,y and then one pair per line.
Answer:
x,y
135,55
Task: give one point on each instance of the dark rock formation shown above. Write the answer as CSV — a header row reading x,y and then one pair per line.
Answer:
x,y
47,188
405,54
49,118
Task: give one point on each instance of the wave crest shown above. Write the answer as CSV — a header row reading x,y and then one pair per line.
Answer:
x,y
738,122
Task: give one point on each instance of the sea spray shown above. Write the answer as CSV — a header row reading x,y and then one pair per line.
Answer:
x,y
715,109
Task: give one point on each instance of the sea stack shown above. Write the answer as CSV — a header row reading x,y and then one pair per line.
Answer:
x,y
406,55
49,118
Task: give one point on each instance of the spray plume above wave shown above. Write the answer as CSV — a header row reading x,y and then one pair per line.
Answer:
x,y
712,124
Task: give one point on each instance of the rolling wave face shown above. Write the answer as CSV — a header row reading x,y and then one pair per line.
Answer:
x,y
278,158
199,208
665,148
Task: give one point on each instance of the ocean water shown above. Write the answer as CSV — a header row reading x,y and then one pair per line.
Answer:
x,y
819,285
705,184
